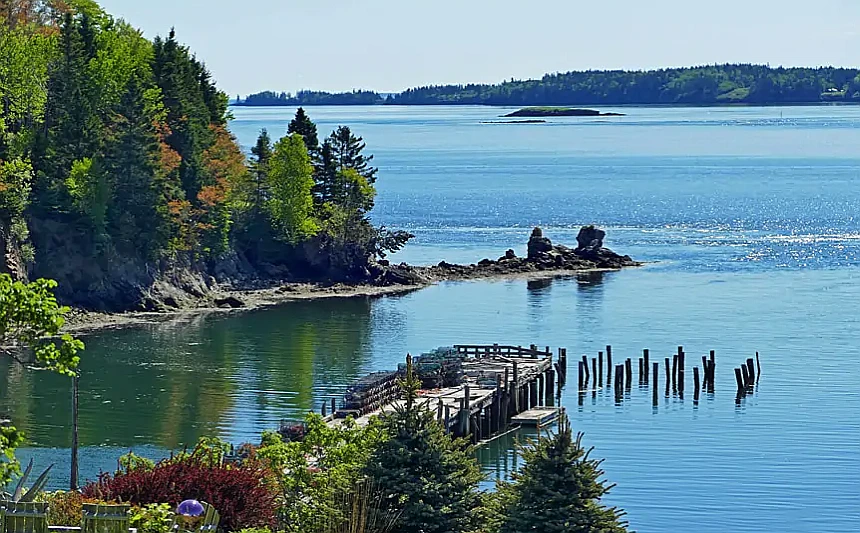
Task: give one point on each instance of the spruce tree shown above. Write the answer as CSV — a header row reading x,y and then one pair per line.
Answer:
x,y
558,490
303,125
71,129
137,215
262,153
347,150
426,477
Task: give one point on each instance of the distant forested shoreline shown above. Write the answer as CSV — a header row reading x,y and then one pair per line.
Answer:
x,y
704,85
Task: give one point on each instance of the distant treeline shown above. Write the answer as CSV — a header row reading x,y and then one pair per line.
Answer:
x,y
304,98
705,85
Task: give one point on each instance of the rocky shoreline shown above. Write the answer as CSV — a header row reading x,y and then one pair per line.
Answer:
x,y
543,260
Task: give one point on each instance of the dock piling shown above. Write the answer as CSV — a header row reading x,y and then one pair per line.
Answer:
x,y
695,385
600,368
654,375
609,365
645,355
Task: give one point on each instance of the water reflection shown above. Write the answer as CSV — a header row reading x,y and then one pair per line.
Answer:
x,y
167,384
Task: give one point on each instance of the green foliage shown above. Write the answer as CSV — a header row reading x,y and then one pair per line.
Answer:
x,y
290,205
131,461
10,439
152,518
302,125
115,150
269,98
31,318
64,508
315,473
15,181
751,84
262,152
559,487
424,474
88,187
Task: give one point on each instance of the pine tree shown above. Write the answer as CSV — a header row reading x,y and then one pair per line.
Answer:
x,y
558,490
303,125
427,477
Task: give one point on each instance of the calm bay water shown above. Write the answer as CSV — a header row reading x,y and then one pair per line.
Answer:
x,y
749,218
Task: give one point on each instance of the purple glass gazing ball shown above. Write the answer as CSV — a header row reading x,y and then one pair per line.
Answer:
x,y
190,508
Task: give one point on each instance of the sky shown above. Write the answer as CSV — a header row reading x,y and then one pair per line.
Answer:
x,y
391,45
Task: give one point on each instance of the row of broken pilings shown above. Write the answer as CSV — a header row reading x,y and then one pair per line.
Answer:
x,y
620,376
510,399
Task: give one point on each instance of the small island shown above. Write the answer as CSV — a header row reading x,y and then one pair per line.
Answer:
x,y
559,112
530,121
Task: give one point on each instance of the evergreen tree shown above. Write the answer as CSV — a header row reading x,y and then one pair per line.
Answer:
x,y
347,150
71,130
137,217
326,184
558,490
303,125
188,115
262,153
424,474
340,161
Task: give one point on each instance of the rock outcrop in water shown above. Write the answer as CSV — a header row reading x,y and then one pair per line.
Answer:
x,y
542,256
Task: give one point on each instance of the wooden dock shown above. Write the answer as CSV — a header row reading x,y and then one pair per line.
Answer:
x,y
496,384
537,417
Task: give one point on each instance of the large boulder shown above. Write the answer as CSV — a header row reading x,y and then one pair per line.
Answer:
x,y
538,244
590,238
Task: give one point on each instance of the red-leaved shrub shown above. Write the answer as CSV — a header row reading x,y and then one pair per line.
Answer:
x,y
239,492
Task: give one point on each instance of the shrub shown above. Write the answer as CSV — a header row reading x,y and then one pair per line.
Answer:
x,y
64,508
152,518
314,474
241,493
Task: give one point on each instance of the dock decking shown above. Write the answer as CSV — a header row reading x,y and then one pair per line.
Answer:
x,y
499,382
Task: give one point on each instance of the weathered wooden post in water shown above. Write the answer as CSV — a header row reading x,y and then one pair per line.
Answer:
x,y
73,484
594,373
645,355
609,365
654,375
628,368
675,372
515,389
600,368
751,371
740,380
585,367
695,385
